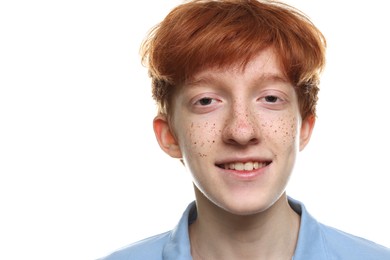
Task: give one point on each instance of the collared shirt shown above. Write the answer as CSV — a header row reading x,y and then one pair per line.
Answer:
x,y
315,241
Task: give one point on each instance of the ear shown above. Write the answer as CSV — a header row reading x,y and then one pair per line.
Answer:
x,y
306,131
165,137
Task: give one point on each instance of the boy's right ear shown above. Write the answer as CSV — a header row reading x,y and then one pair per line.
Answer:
x,y
165,137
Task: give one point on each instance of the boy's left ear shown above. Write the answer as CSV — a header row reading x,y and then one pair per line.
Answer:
x,y
165,137
306,131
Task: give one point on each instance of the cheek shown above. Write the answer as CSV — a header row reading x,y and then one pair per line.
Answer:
x,y
281,131
199,139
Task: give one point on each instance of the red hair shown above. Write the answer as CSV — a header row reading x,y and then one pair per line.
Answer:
x,y
209,33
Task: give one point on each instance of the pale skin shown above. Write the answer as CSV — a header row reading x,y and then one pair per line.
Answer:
x,y
239,133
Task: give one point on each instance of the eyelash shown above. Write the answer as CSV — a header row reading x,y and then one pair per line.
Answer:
x,y
208,99
207,103
272,102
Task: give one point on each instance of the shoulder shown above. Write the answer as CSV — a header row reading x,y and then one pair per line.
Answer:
x,y
341,245
149,248
174,244
322,242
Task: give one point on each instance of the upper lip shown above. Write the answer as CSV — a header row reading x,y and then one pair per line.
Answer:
x,y
242,160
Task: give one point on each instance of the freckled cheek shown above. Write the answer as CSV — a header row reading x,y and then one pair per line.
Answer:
x,y
200,139
281,131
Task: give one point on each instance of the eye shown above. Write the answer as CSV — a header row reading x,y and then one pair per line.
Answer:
x,y
205,101
271,99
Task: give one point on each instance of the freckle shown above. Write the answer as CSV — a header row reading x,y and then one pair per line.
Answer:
x,y
195,143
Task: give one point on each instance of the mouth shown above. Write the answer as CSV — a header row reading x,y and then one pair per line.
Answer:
x,y
243,166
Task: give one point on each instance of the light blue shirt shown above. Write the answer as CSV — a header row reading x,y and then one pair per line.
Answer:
x,y
315,242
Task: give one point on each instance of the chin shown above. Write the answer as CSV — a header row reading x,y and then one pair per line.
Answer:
x,y
247,208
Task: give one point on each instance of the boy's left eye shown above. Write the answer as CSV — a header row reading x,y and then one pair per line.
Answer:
x,y
273,101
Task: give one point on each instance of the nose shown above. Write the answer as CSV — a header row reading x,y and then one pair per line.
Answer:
x,y
241,128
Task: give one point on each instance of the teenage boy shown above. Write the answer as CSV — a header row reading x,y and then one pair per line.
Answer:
x,y
236,83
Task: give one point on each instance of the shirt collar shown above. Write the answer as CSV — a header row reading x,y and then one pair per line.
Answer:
x,y
310,243
178,246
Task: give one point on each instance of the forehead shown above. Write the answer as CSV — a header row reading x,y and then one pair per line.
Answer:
x,y
263,67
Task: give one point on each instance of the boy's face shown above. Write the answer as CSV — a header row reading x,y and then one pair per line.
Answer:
x,y
238,132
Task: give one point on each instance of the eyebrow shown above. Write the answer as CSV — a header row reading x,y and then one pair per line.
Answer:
x,y
277,77
211,79
200,81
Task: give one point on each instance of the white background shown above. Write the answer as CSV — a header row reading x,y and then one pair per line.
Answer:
x,y
80,171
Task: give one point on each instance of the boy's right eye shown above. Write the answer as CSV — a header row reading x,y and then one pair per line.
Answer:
x,y
205,101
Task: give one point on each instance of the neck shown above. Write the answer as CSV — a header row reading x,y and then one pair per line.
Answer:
x,y
218,234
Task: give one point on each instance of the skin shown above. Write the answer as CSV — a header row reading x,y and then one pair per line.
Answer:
x,y
227,116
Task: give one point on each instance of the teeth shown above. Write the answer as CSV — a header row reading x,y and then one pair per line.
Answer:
x,y
248,166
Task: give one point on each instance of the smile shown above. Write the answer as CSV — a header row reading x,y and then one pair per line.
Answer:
x,y
243,166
